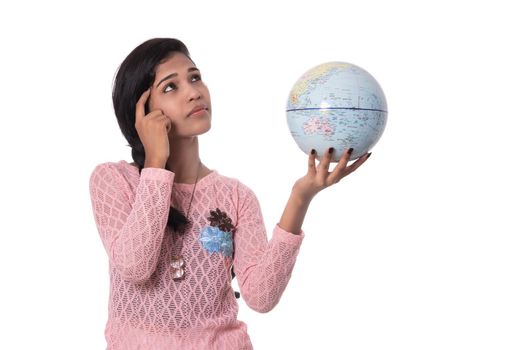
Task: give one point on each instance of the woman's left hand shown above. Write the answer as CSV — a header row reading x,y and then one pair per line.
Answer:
x,y
318,176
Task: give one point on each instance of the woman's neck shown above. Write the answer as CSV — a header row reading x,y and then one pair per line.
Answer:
x,y
184,160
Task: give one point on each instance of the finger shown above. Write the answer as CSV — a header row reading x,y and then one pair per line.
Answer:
x,y
326,159
155,114
311,165
341,166
356,164
140,105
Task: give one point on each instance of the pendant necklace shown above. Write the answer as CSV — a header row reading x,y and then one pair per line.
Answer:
x,y
177,263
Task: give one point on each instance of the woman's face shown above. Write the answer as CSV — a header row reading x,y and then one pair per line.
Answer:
x,y
179,92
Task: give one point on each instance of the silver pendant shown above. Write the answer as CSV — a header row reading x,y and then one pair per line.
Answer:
x,y
177,267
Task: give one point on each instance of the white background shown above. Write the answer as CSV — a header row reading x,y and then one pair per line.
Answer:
x,y
421,248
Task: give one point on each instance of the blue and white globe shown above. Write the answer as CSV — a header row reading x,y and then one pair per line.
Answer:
x,y
339,105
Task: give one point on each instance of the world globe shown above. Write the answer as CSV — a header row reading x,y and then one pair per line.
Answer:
x,y
339,105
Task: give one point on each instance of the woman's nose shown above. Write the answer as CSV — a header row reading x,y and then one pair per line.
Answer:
x,y
193,93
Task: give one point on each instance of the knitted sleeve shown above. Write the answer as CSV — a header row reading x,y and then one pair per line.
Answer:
x,y
263,268
131,225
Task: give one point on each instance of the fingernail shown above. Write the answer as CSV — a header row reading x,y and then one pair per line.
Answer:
x,y
330,150
350,150
313,151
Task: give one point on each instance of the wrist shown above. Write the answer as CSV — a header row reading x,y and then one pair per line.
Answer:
x,y
300,197
154,163
295,211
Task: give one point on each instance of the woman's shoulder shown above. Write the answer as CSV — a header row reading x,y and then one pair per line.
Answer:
x,y
121,168
224,179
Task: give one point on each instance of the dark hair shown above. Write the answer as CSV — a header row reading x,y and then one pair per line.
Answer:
x,y
135,75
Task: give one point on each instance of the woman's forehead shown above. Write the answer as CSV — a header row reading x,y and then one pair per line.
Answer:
x,y
176,63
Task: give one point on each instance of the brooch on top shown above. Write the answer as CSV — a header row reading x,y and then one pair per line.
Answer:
x,y
217,237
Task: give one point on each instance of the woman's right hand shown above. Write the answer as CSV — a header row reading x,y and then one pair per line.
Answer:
x,y
153,130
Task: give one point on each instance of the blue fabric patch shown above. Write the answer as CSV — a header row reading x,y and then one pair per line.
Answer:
x,y
215,240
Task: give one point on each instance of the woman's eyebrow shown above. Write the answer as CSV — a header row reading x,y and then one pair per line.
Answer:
x,y
190,69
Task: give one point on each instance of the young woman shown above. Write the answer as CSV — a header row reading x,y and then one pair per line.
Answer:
x,y
174,229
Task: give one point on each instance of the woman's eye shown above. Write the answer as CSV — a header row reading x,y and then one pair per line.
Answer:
x,y
169,87
196,77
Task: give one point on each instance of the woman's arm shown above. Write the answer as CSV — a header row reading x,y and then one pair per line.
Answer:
x,y
263,268
131,226
316,179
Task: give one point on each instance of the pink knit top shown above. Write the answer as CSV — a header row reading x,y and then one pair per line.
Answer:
x,y
147,308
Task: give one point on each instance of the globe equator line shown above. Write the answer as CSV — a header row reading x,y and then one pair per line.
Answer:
x,y
327,108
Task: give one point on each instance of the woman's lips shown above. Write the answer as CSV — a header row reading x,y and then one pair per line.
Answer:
x,y
197,111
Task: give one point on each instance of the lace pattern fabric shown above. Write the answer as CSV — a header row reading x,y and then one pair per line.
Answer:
x,y
147,309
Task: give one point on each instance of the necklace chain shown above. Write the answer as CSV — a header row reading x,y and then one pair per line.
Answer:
x,y
193,192
178,263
